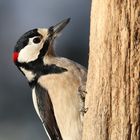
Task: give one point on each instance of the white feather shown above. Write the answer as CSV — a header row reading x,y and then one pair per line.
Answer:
x,y
29,74
31,51
37,110
35,102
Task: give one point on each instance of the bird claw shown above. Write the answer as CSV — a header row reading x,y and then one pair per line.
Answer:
x,y
84,110
82,92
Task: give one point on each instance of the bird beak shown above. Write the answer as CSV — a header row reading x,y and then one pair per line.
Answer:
x,y
59,27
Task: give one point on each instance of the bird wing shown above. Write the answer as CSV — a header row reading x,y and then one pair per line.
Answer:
x,y
83,72
46,113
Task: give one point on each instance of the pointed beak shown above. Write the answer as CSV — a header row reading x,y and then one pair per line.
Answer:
x,y
59,27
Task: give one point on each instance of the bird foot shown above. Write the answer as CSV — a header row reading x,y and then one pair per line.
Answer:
x,y
82,92
83,110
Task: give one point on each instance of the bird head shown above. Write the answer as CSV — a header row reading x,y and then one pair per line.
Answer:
x,y
36,43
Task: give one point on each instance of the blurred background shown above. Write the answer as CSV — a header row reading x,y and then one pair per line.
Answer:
x,y
18,119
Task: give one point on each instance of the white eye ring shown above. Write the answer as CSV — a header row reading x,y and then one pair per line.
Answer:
x,y
36,40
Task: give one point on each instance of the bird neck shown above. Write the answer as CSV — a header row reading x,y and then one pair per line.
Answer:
x,y
50,51
33,70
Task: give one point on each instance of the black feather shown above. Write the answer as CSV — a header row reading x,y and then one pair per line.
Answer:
x,y
47,112
24,39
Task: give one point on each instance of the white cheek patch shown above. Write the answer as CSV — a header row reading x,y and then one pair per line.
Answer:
x,y
29,53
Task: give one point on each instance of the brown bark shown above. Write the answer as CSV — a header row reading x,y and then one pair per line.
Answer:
x,y
113,83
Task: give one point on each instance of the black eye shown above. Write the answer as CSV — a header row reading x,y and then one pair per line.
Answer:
x,y
37,40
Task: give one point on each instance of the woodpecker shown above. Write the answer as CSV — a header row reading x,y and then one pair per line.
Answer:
x,y
57,83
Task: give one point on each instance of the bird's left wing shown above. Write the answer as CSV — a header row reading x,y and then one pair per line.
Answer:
x,y
46,112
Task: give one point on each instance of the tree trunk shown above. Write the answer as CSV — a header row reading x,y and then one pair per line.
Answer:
x,y
113,82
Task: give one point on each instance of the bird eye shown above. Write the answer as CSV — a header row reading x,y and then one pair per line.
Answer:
x,y
37,40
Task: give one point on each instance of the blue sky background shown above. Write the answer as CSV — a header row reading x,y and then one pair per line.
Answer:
x,y
18,120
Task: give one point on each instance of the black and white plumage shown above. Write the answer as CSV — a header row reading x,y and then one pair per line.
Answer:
x,y
54,81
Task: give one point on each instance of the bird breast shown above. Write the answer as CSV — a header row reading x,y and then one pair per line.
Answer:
x,y
63,91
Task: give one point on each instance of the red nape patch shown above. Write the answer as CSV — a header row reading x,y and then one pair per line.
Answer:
x,y
15,56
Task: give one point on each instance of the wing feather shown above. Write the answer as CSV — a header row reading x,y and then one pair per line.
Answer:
x,y
46,113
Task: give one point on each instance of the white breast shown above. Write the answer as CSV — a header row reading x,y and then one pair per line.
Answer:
x,y
63,91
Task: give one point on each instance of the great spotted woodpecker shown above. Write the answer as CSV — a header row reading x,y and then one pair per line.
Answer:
x,y
55,82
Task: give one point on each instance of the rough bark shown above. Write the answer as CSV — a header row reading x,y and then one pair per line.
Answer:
x,y
113,83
